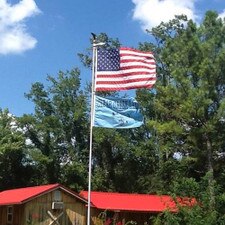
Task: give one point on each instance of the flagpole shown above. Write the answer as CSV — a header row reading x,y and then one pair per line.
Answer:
x,y
94,47
94,66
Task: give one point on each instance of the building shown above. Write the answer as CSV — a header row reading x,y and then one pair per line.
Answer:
x,y
55,204
121,208
42,205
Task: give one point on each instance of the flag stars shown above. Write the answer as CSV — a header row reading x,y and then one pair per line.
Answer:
x,y
108,60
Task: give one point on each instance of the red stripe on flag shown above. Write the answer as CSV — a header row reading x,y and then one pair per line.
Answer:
x,y
134,50
138,61
124,68
125,75
125,81
117,88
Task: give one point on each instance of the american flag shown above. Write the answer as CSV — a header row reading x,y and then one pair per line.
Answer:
x,y
124,69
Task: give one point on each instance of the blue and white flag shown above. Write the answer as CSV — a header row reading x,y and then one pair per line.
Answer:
x,y
112,112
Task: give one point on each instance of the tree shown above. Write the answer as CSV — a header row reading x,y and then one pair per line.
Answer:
x,y
14,165
187,116
58,129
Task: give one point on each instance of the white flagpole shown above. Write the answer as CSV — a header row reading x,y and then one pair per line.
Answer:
x,y
94,61
94,66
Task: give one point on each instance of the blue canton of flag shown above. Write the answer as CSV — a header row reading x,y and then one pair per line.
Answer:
x,y
114,112
108,60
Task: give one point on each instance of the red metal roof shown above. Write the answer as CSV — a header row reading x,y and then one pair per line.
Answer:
x,y
20,195
100,200
134,202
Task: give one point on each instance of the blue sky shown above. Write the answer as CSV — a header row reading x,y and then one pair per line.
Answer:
x,y
39,37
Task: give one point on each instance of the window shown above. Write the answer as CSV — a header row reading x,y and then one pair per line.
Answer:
x,y
9,214
57,196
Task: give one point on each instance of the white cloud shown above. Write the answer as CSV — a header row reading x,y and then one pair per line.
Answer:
x,y
222,15
151,13
14,37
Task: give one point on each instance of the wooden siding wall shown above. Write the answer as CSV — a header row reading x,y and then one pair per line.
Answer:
x,y
3,215
17,215
74,211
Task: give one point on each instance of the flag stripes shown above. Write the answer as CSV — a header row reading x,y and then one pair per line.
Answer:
x,y
127,86
137,69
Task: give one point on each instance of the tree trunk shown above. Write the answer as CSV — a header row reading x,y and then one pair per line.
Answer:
x,y
210,173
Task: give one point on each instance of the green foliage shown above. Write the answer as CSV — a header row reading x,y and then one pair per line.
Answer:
x,y
58,130
200,213
14,168
185,116
188,103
